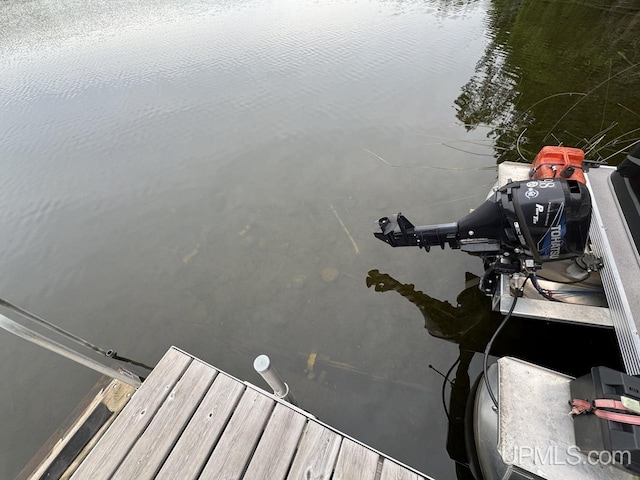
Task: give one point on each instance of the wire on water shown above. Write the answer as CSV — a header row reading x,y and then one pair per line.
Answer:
x,y
444,384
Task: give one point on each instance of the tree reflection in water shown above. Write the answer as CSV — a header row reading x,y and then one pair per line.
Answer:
x,y
567,72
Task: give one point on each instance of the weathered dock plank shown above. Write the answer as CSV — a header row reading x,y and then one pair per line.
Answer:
x,y
106,456
275,450
190,421
148,454
235,447
316,455
355,461
193,448
393,471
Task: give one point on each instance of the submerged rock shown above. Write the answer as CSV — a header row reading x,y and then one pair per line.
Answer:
x,y
297,281
329,274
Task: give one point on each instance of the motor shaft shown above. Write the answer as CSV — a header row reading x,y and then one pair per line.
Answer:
x,y
412,236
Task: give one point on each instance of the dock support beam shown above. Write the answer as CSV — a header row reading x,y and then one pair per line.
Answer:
x,y
262,365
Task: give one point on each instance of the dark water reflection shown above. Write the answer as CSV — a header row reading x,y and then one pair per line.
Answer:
x,y
180,174
562,73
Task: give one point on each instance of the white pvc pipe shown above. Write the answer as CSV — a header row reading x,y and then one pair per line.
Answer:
x,y
262,365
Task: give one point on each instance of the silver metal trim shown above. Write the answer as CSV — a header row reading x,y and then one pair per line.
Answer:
x,y
619,308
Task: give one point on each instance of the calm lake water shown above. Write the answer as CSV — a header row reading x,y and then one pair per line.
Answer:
x,y
208,175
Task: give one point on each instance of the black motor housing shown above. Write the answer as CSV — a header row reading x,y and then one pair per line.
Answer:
x,y
544,219
548,218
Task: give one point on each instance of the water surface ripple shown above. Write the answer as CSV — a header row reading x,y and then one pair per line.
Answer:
x,y
173,173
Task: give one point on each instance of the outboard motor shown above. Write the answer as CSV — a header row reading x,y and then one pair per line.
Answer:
x,y
521,226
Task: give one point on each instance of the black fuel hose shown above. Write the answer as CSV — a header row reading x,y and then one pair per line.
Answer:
x,y
485,362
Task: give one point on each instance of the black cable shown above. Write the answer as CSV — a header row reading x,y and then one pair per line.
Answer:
x,y
545,293
444,384
519,292
115,356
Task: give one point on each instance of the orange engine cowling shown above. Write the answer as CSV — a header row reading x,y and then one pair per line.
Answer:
x,y
558,162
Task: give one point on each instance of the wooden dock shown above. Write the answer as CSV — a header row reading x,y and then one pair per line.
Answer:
x,y
189,420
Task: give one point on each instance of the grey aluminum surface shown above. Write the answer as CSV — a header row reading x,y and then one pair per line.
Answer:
x,y
535,431
546,310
